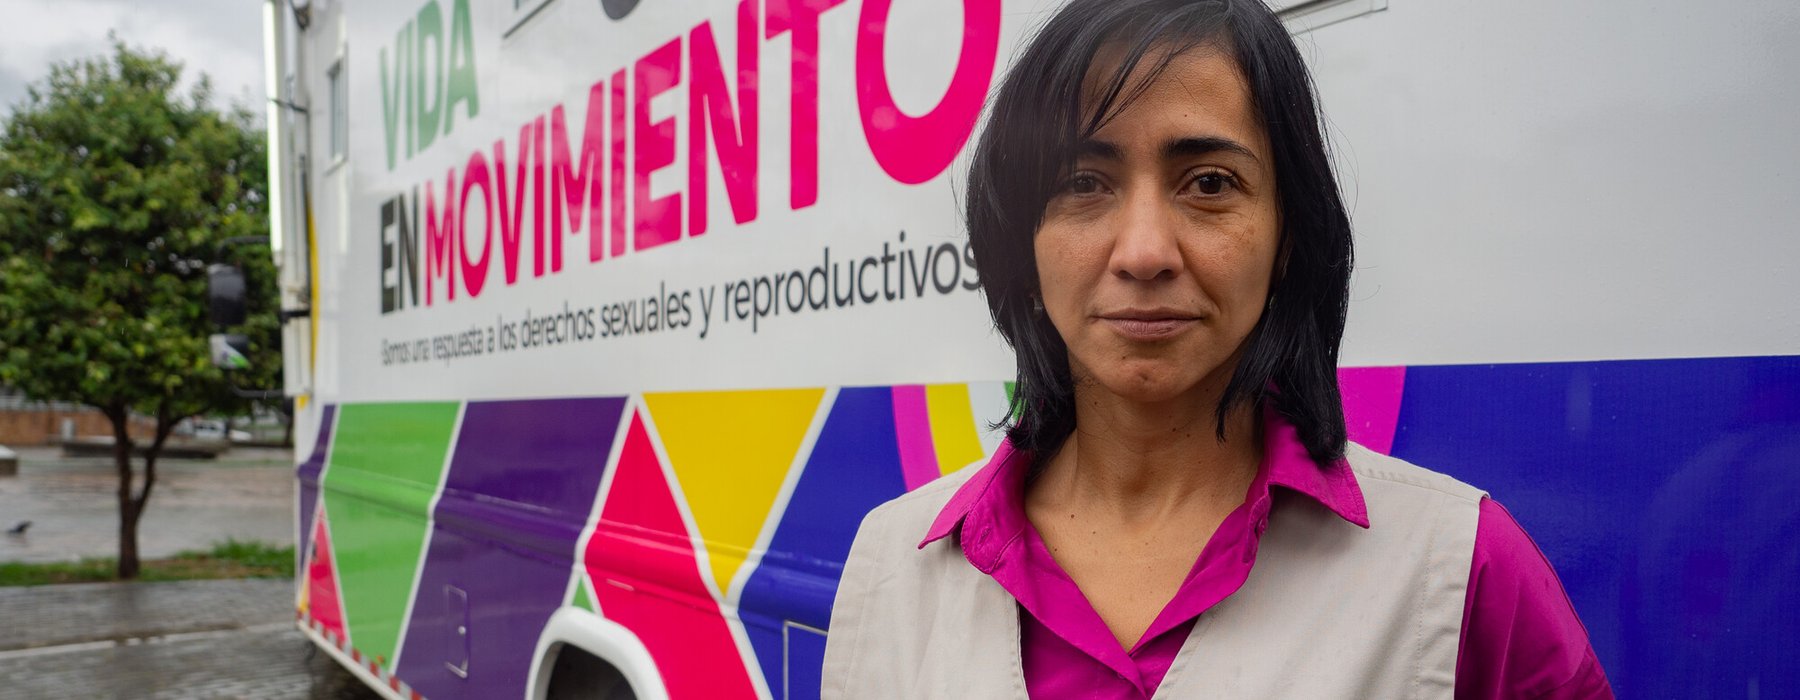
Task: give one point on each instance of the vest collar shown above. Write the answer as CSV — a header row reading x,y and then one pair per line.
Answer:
x,y
995,494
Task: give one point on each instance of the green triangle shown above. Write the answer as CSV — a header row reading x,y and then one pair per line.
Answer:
x,y
386,462
581,598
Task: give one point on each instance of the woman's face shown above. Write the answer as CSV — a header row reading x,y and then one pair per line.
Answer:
x,y
1155,256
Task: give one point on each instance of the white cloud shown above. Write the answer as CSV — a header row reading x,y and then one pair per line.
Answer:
x,y
221,38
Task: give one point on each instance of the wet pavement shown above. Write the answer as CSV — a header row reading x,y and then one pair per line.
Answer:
x,y
72,503
188,639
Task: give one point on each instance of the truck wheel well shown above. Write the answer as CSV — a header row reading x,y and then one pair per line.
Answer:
x,y
578,674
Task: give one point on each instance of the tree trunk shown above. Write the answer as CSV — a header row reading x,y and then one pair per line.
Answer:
x,y
287,429
129,509
165,424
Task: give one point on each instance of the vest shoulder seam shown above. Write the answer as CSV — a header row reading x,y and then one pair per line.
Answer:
x,y
1371,465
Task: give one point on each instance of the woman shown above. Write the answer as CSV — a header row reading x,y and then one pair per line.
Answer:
x,y
1176,512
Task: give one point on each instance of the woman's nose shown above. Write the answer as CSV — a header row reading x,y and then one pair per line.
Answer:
x,y
1145,246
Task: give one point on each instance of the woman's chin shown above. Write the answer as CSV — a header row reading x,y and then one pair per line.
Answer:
x,y
1145,386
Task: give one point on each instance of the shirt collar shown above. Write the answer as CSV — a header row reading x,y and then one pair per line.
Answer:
x,y
980,490
995,496
1288,465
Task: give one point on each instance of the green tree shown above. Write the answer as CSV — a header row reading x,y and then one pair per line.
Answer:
x,y
117,188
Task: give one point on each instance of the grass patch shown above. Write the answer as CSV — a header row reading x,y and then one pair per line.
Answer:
x,y
32,574
228,559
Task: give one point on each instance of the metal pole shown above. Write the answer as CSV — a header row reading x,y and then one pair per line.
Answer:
x,y
274,67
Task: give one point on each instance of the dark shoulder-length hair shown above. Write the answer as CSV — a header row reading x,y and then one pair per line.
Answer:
x,y
1038,118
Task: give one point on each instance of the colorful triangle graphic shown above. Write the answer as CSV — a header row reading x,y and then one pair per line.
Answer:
x,y
641,542
387,460
731,452
581,598
953,428
1372,398
320,597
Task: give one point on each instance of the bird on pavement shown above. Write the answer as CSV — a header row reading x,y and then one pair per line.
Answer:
x,y
20,528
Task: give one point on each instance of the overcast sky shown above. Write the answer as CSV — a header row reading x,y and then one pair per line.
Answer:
x,y
222,38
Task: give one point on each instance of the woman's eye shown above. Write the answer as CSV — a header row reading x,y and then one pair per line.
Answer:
x,y
1084,184
1213,183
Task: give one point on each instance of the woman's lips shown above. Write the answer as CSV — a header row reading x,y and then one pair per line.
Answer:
x,y
1148,328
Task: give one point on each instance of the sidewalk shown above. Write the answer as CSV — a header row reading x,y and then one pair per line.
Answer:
x,y
72,503
41,616
188,639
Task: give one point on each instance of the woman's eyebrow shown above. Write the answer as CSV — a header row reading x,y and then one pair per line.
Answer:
x,y
1190,146
1184,147
1099,150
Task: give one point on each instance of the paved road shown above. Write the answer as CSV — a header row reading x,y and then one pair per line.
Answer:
x,y
72,504
191,639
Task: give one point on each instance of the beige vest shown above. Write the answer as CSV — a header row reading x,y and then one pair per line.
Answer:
x,y
1330,610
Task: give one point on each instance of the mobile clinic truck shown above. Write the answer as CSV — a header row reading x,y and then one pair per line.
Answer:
x,y
612,318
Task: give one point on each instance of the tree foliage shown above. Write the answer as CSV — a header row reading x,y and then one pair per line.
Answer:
x,y
116,189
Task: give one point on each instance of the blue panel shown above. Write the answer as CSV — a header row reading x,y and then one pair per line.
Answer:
x,y
855,466
1663,491
805,659
765,638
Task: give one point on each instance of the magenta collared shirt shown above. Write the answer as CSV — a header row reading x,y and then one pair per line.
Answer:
x,y
1520,635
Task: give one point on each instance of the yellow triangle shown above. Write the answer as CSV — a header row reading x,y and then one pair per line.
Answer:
x,y
953,426
731,451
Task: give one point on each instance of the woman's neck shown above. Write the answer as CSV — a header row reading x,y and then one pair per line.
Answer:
x,y
1143,461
